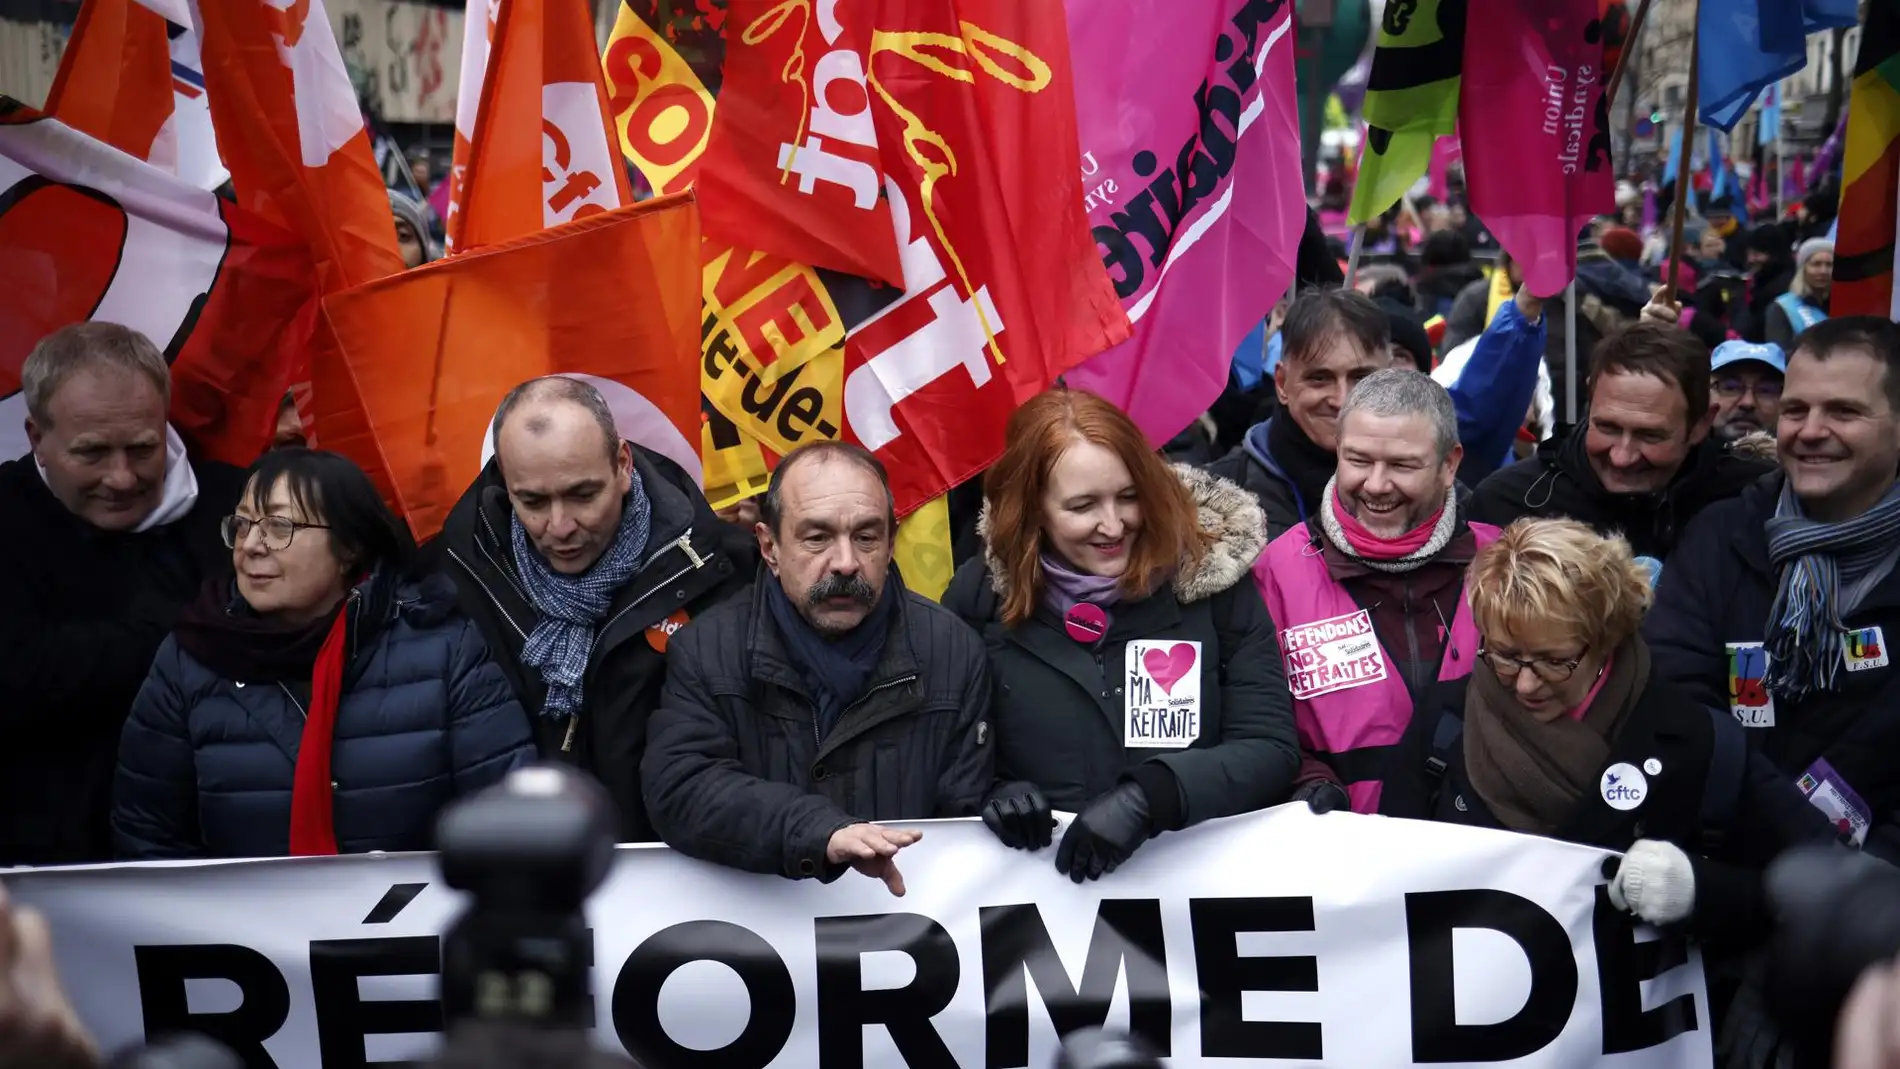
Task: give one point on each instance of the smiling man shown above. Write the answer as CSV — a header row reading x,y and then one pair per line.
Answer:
x,y
1781,598
828,698
1643,463
580,555
108,529
1367,593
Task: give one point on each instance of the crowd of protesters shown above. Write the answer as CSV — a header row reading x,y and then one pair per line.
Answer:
x,y
1694,579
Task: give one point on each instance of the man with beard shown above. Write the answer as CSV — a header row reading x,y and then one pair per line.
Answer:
x,y
1643,463
828,697
1746,378
1368,593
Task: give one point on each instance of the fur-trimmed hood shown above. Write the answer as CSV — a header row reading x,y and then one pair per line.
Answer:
x,y
1225,509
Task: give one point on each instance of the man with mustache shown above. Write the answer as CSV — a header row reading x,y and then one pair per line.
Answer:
x,y
1643,463
1747,381
1779,600
1368,593
108,528
828,697
580,555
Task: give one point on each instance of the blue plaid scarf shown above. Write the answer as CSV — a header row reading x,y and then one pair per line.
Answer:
x,y
572,606
1827,570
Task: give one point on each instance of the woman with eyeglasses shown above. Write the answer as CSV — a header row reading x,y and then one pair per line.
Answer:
x,y
1565,731
327,700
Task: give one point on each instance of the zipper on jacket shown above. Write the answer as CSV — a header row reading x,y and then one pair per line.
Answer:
x,y
685,544
1411,644
499,609
567,740
301,711
865,697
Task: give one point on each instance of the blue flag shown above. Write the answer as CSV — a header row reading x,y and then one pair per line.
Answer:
x,y
1675,158
1722,182
1769,130
1747,45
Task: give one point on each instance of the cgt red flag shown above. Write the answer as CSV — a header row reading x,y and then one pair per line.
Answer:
x,y
88,232
1003,287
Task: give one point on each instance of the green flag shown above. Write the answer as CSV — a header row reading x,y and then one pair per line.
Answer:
x,y
1411,99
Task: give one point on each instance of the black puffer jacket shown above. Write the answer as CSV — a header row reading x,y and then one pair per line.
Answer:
x,y
1755,815
1559,482
693,563
82,611
736,773
207,764
1060,712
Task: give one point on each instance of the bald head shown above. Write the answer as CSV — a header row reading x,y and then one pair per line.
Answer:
x,y
565,467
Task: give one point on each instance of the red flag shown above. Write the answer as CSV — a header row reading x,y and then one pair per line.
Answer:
x,y
792,168
614,297
1004,289
87,232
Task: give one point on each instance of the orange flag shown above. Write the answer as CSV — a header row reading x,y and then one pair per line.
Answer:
x,y
542,151
614,296
115,79
292,135
478,38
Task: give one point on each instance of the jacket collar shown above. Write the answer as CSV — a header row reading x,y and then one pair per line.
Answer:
x,y
1230,513
765,647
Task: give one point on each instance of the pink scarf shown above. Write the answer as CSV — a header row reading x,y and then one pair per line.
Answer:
x,y
1371,547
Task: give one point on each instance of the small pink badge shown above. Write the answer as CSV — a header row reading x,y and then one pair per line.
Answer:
x,y
1086,623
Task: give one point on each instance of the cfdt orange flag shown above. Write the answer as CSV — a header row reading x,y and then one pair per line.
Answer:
x,y
614,296
88,232
542,151
792,168
115,78
292,135
478,36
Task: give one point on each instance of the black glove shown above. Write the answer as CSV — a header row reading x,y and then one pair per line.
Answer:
x,y
1322,796
1020,817
1105,833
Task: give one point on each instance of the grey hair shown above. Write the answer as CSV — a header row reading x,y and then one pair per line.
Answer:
x,y
89,346
1404,392
558,388
771,504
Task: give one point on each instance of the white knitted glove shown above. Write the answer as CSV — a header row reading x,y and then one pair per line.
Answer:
x,y
1656,882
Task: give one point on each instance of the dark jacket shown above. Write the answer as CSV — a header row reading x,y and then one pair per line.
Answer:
x,y
1059,704
735,770
1759,813
693,563
82,611
1559,482
1716,592
207,764
1254,468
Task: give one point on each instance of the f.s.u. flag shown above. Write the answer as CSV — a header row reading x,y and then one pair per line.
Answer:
x,y
1003,287
1191,174
793,168
542,152
613,296
1536,131
90,233
1749,44
1870,175
1412,96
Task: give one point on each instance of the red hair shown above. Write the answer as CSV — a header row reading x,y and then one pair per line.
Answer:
x,y
1039,433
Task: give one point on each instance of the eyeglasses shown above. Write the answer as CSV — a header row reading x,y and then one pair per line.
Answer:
x,y
1548,671
1766,389
278,530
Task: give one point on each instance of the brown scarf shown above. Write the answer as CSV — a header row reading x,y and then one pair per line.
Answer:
x,y
1530,772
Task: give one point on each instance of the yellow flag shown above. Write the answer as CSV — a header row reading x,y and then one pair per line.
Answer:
x,y
923,548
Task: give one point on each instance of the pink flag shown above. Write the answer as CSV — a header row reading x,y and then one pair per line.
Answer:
x,y
1191,168
1536,134
1445,152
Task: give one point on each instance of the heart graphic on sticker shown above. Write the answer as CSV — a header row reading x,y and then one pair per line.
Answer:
x,y
1170,665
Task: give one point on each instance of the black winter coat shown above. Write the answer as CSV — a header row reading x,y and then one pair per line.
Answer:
x,y
694,562
1060,713
1760,813
1558,482
82,611
736,772
1717,593
1268,482
207,765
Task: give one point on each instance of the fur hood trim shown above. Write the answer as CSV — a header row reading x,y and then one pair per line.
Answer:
x,y
1232,514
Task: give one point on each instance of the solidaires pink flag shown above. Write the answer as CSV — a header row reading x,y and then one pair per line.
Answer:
x,y
1191,167
1535,131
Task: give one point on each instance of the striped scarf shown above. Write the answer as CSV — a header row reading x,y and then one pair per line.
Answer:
x,y
1827,570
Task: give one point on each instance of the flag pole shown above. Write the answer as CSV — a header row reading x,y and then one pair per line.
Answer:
x,y
1570,354
1352,257
1623,58
1685,176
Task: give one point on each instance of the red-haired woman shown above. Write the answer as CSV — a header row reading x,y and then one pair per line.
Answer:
x,y
1138,678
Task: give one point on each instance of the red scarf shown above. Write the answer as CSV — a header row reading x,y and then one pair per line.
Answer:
x,y
1370,546
312,813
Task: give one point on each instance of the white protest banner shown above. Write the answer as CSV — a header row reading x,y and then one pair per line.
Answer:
x,y
1339,940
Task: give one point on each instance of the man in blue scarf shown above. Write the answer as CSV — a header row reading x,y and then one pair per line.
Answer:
x,y
829,698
